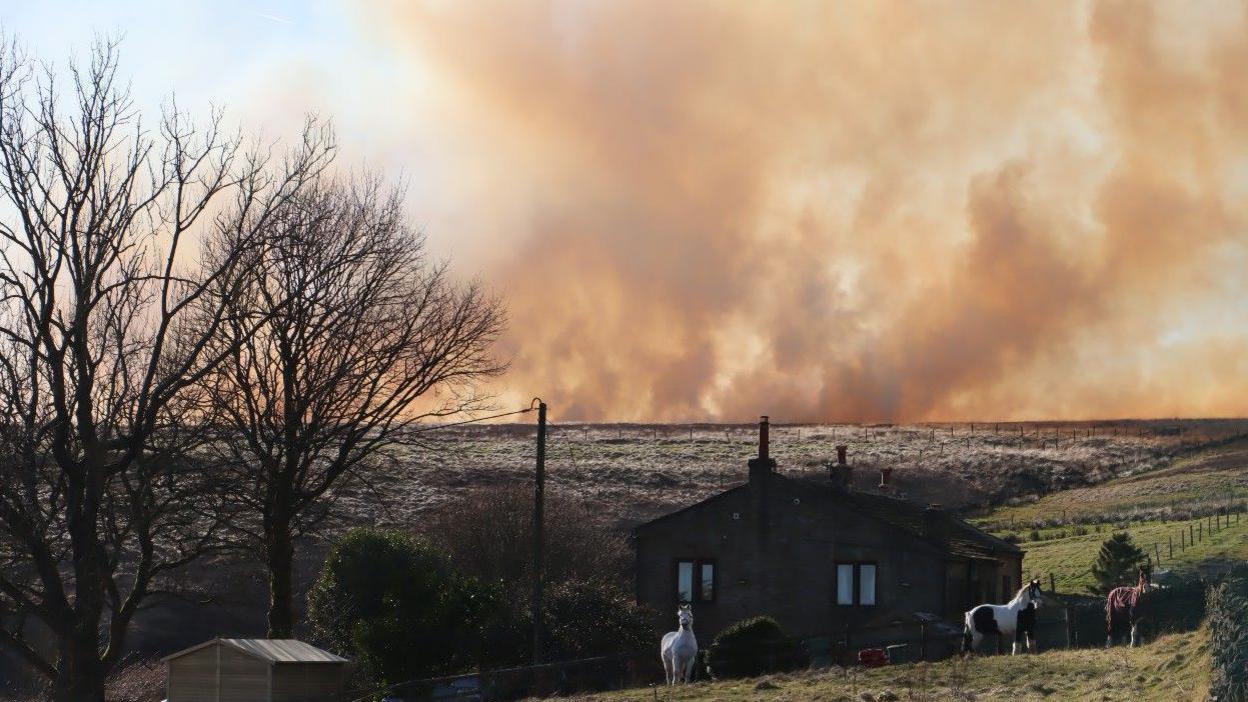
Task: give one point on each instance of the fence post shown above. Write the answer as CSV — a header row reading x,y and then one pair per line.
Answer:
x,y
1066,617
1170,540
923,641
1052,583
1157,552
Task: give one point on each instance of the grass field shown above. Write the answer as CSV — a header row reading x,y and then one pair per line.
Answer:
x,y
1210,480
1070,559
629,473
1172,669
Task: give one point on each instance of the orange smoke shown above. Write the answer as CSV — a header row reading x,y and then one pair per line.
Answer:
x,y
851,211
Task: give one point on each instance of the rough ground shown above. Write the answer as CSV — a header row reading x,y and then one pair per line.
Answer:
x,y
1172,669
633,472
1190,514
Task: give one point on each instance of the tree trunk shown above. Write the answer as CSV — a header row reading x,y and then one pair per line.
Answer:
x,y
80,674
281,558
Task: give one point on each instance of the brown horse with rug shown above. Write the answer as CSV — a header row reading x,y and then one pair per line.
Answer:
x,y
1126,608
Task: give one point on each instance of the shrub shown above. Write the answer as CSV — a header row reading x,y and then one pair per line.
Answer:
x,y
1034,535
588,606
1012,538
1116,563
585,618
1228,638
394,603
488,534
752,647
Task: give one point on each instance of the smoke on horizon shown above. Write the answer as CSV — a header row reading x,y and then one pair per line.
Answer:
x,y
852,211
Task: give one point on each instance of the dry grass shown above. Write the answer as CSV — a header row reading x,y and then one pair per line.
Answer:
x,y
141,681
1174,668
632,472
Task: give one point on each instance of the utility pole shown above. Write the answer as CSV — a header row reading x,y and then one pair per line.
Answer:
x,y
539,529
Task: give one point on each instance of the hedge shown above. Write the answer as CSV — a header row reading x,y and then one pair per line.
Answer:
x,y
1228,638
752,647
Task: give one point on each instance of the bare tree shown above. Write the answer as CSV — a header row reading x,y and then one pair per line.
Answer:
x,y
365,336
101,495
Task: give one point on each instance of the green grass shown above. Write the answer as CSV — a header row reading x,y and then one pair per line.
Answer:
x,y
1173,668
1070,559
1208,480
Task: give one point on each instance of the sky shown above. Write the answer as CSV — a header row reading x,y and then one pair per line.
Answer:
x,y
849,211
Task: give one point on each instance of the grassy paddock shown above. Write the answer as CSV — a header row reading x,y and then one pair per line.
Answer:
x,y
1211,479
1173,668
1070,559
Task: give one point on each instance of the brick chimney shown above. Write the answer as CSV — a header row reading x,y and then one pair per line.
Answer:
x,y
764,465
842,474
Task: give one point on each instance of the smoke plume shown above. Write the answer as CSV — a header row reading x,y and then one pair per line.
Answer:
x,y
850,211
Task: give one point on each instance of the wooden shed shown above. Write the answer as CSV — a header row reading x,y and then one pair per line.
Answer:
x,y
255,670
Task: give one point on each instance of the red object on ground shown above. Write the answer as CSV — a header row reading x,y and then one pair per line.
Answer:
x,y
872,657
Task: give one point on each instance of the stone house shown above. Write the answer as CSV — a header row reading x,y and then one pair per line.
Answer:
x,y
818,556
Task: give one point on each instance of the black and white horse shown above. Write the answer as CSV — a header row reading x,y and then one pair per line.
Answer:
x,y
1017,618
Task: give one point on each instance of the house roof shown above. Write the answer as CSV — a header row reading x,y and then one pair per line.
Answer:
x,y
958,538
270,650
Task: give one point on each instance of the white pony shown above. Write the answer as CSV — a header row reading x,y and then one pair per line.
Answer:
x,y
680,648
1016,619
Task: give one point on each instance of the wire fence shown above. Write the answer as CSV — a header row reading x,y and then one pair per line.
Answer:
x,y
894,643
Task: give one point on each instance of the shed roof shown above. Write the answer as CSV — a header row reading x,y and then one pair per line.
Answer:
x,y
270,650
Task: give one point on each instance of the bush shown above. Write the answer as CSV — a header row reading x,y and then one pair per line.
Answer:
x,y
752,647
1117,563
395,605
1228,638
1034,535
488,534
595,618
589,608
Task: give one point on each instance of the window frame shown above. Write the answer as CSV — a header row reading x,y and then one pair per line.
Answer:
x,y
855,583
696,583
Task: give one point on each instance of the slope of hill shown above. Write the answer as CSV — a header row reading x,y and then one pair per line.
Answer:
x,y
1174,668
632,472
1186,516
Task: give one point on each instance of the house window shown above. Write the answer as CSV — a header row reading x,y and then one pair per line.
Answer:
x,y
866,584
856,584
695,580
